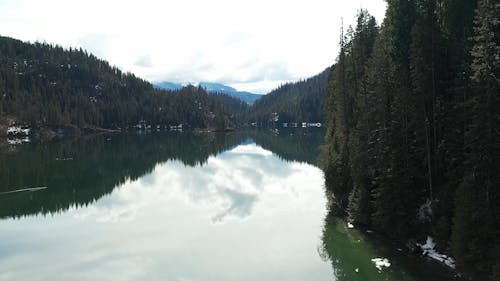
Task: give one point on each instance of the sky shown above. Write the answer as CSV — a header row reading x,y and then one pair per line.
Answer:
x,y
249,45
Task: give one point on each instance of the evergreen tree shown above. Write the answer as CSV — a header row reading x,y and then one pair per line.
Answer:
x,y
479,245
362,47
415,121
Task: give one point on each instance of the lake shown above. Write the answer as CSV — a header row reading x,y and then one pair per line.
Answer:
x,y
179,206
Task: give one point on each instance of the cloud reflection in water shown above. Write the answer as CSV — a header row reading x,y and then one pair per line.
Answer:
x,y
228,186
245,214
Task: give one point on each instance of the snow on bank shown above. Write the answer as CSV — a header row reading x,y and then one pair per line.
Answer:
x,y
381,262
18,141
428,249
18,130
18,134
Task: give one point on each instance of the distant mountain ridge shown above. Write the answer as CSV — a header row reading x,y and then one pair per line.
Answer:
x,y
213,88
165,85
217,87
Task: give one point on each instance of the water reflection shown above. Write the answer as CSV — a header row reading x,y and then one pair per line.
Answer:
x,y
79,172
228,185
303,145
244,214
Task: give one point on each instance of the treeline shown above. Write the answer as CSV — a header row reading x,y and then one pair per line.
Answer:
x,y
42,85
413,127
301,101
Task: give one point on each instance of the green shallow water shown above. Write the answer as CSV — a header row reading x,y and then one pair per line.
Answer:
x,y
351,253
240,206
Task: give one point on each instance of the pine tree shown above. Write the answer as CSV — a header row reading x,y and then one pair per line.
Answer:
x,y
337,178
456,21
480,245
359,206
395,194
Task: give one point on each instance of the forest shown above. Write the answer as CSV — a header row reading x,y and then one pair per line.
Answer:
x,y
413,128
46,85
301,101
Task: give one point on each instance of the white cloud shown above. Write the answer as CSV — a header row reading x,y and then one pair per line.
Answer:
x,y
144,61
254,45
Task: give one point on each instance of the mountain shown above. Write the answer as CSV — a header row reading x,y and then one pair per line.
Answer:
x,y
301,101
214,88
169,86
247,97
44,86
217,88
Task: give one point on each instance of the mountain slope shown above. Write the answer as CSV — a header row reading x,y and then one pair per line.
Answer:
x,y
247,97
301,101
45,85
165,85
218,88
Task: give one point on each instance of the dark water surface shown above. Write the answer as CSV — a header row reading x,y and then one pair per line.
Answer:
x,y
239,206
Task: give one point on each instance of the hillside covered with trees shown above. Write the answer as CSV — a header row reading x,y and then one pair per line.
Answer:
x,y
301,101
45,85
413,118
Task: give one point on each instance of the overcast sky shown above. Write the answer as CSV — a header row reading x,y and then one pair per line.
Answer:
x,y
252,45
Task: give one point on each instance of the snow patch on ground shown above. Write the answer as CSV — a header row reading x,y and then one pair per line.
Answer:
x,y
18,130
18,134
428,250
381,263
18,140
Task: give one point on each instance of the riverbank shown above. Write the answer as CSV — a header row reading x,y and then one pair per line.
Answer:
x,y
14,131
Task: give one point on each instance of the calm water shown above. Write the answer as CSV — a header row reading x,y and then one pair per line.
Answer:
x,y
241,206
